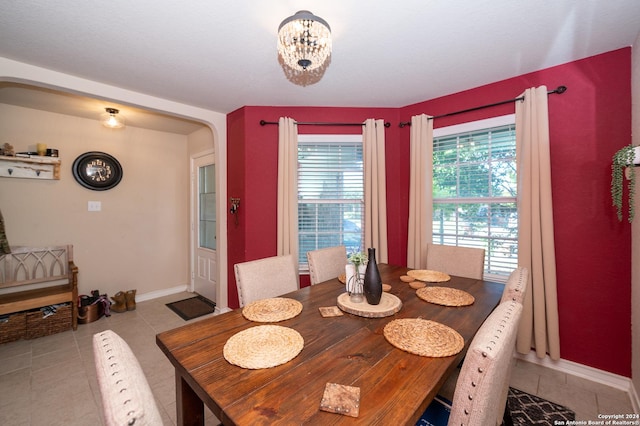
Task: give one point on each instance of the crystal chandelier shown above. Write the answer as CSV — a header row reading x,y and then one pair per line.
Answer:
x,y
304,41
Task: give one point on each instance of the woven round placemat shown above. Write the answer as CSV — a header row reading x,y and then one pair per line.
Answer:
x,y
423,337
272,310
445,296
429,275
263,346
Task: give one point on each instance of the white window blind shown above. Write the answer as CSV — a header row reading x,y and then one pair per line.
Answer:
x,y
330,193
475,192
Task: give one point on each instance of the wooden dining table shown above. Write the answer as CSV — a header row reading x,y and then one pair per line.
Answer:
x,y
395,386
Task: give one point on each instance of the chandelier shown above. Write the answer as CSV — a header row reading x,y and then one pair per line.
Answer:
x,y
304,41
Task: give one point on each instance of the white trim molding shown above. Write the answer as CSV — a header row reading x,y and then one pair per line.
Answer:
x,y
599,376
161,293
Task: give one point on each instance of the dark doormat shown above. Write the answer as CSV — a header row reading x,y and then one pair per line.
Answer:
x,y
527,409
193,307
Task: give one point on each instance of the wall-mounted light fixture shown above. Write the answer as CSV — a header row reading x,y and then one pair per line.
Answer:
x,y
111,119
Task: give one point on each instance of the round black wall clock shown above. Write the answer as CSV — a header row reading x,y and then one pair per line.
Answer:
x,y
96,170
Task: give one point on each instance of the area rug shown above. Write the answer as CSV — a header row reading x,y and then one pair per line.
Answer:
x,y
525,409
193,307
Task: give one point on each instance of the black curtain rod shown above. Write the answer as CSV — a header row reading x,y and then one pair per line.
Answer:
x,y
264,123
559,90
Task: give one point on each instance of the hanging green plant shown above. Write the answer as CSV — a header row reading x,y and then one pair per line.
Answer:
x,y
623,160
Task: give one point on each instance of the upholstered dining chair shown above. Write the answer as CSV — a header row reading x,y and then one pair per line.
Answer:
x,y
264,278
480,396
516,286
126,396
514,289
455,260
326,263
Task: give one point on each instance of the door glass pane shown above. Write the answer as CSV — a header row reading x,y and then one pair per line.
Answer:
x,y
207,202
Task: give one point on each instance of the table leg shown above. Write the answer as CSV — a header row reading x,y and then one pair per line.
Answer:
x,y
190,409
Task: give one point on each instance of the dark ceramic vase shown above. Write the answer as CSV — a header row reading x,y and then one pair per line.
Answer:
x,y
372,280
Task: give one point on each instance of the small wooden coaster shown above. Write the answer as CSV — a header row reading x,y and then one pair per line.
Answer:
x,y
406,278
417,284
342,278
386,287
341,399
330,311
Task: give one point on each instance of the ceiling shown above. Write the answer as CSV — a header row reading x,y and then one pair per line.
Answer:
x,y
221,55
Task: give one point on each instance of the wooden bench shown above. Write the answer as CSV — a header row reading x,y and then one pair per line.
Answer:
x,y
32,278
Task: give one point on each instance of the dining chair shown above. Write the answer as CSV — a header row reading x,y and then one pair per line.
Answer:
x,y
456,260
326,263
126,396
516,286
480,396
264,278
514,289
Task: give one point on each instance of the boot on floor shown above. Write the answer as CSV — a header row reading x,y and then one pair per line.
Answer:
x,y
119,303
130,297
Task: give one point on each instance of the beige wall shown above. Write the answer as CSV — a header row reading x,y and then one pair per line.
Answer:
x,y
635,244
200,141
140,238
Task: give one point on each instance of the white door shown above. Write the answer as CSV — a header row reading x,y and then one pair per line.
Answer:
x,y
203,200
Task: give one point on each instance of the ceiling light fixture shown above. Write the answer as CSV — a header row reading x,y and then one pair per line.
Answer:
x,y
111,120
304,41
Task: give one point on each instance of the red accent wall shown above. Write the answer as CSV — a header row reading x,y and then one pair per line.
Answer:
x,y
252,160
588,124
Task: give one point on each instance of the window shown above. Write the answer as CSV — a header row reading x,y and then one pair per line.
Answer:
x,y
207,206
330,193
475,190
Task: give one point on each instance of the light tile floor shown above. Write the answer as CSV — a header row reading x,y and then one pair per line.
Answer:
x,y
51,380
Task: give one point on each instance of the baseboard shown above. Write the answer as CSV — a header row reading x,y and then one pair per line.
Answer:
x,y
599,376
635,401
161,293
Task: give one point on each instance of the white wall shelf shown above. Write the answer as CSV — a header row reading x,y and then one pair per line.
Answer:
x,y
31,168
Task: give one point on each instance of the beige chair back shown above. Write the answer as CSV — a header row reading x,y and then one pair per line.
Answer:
x,y
126,396
516,287
480,396
326,263
465,262
264,278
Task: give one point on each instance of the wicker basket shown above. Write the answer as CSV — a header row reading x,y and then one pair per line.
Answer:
x,y
90,313
37,326
14,328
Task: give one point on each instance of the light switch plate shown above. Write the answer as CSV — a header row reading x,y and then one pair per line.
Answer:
x,y
94,206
